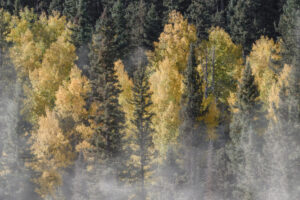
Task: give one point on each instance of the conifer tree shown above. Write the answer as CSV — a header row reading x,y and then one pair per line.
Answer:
x,y
83,29
142,130
247,121
121,39
70,9
106,89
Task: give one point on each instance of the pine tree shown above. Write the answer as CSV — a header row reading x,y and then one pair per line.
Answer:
x,y
106,89
246,123
142,130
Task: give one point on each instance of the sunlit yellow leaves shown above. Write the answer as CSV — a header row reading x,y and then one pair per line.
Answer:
x,y
167,86
169,61
174,42
211,118
43,56
52,151
264,52
221,61
126,95
70,98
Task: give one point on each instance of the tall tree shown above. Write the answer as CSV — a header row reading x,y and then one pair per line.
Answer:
x,y
247,122
106,89
142,130
169,60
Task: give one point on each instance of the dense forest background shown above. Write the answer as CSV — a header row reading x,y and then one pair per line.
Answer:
x,y
149,99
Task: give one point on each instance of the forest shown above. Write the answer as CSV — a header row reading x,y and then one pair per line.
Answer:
x,y
149,99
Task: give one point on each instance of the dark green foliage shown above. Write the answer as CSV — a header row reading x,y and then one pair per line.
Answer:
x,y
178,5
121,39
145,23
56,5
142,129
191,100
70,9
289,27
205,14
153,26
83,28
106,90
249,19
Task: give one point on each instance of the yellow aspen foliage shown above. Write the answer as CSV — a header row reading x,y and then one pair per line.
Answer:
x,y
52,151
70,98
264,52
167,87
43,56
174,42
169,61
221,63
32,35
126,95
53,144
211,118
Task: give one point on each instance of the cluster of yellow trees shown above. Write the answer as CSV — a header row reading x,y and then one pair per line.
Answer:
x,y
56,91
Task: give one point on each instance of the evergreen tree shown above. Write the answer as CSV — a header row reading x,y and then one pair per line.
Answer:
x,y
246,123
70,9
142,130
83,29
106,89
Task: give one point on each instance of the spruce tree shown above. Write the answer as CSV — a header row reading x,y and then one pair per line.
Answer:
x,y
142,130
244,129
106,90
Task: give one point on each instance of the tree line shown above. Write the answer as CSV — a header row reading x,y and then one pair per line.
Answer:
x,y
173,99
